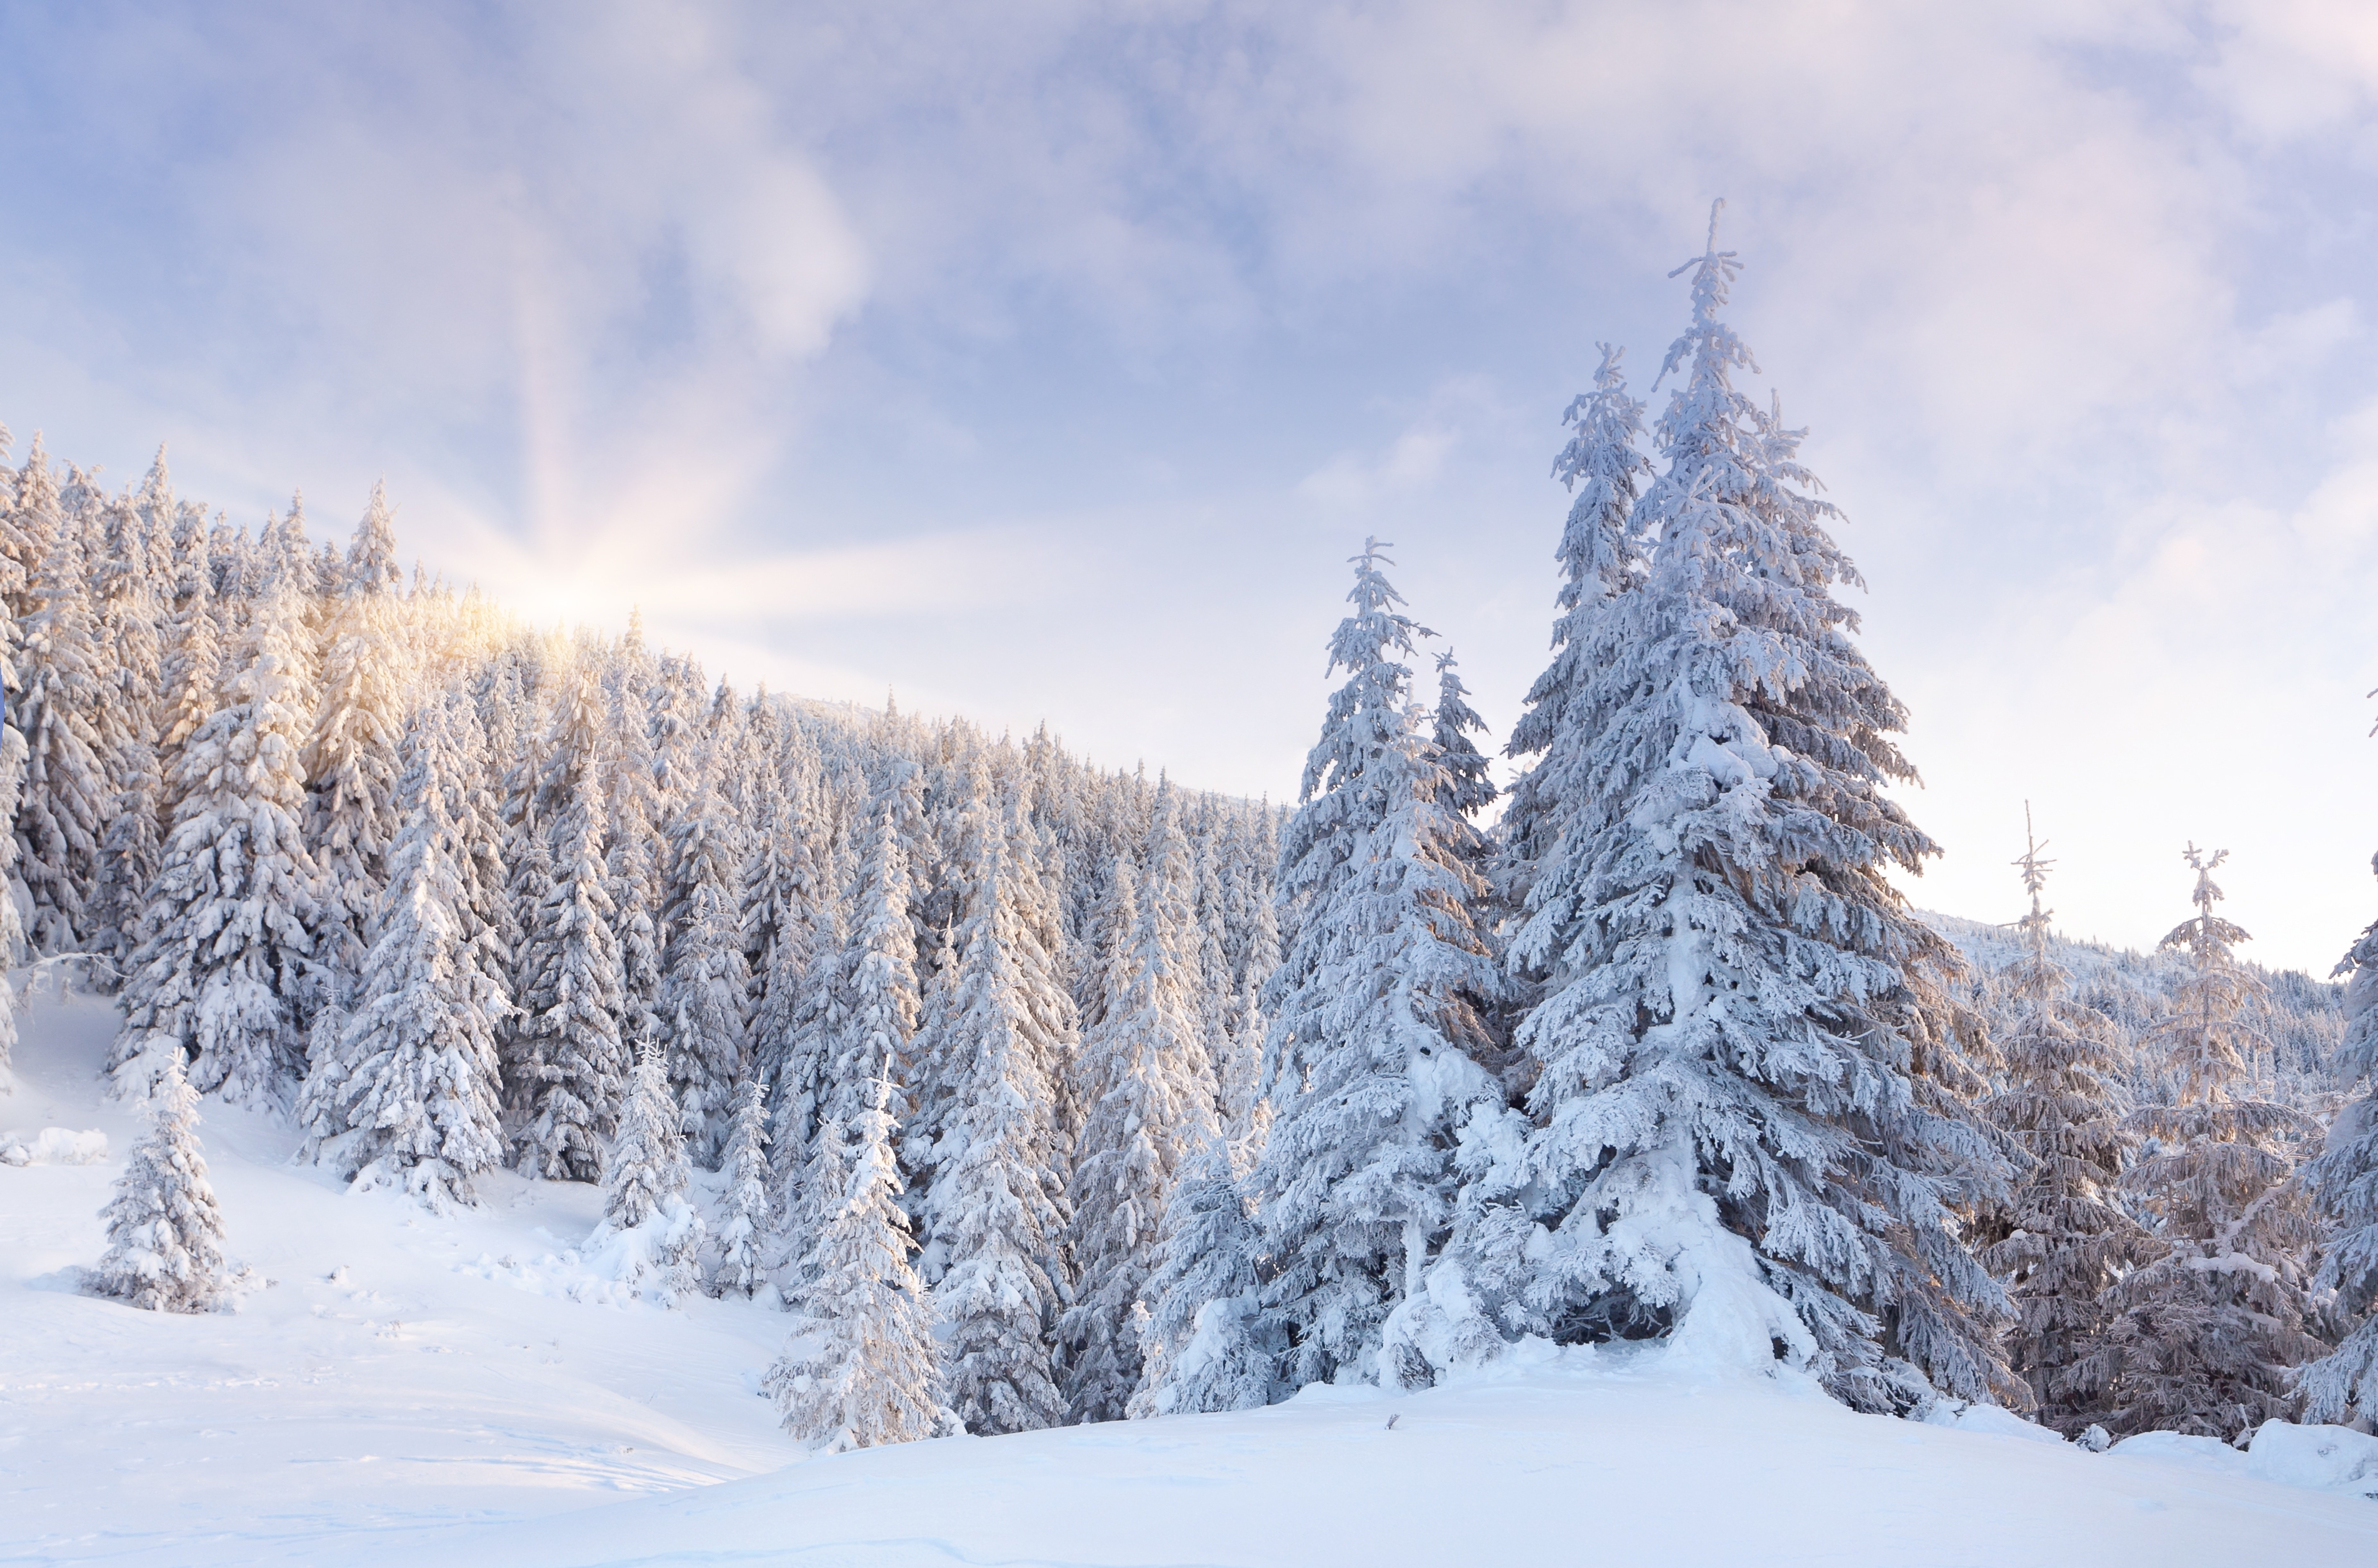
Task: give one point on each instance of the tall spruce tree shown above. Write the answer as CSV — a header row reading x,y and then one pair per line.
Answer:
x,y
1603,553
407,1097
996,1210
130,611
351,753
2204,1336
1149,1106
225,950
705,986
55,708
1378,1011
2066,1234
1729,1149
2343,1385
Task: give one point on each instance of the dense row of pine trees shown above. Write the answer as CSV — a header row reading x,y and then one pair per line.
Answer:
x,y
1041,1095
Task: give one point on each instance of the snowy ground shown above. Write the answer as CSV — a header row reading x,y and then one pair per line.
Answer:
x,y
401,1394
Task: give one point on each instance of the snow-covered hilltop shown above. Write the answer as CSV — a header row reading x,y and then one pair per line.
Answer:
x,y
902,1083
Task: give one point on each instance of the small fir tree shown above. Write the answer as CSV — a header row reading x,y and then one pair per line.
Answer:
x,y
164,1232
749,1209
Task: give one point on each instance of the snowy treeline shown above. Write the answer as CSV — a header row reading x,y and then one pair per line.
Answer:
x,y
1043,1094
455,895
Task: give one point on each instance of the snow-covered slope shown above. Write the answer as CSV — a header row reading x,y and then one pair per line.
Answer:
x,y
401,1395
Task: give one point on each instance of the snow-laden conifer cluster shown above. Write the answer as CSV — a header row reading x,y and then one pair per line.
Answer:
x,y
456,895
1036,1093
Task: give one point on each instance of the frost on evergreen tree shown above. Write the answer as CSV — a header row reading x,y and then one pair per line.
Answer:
x,y
995,1210
1468,790
2343,1385
572,1066
2203,1336
635,861
1729,1149
748,1204
351,752
53,707
164,1233
2066,1236
124,585
798,874
225,947
12,928
650,1237
882,965
1602,555
1208,1343
860,1368
705,986
406,1095
1246,1110
1151,1099
1378,1012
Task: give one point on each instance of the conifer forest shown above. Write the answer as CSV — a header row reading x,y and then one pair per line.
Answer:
x,y
1029,1094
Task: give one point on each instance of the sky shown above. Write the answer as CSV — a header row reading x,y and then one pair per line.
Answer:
x,y
1047,361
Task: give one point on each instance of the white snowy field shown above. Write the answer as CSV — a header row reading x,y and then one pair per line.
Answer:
x,y
401,1394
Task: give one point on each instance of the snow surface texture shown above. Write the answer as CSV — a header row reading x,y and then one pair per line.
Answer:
x,y
456,1390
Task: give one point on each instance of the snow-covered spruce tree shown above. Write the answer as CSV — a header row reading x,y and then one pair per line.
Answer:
x,y
860,1369
2202,1338
2343,1385
225,945
1149,1106
649,1234
802,1084
751,1209
2067,1236
130,610
1602,555
882,963
57,699
634,862
351,753
572,1067
1246,1110
1728,1149
12,928
995,1211
164,1233
797,873
1207,1342
407,1095
1378,1013
704,986
1468,790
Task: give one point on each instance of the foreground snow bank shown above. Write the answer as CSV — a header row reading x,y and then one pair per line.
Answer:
x,y
382,1399
2323,1458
